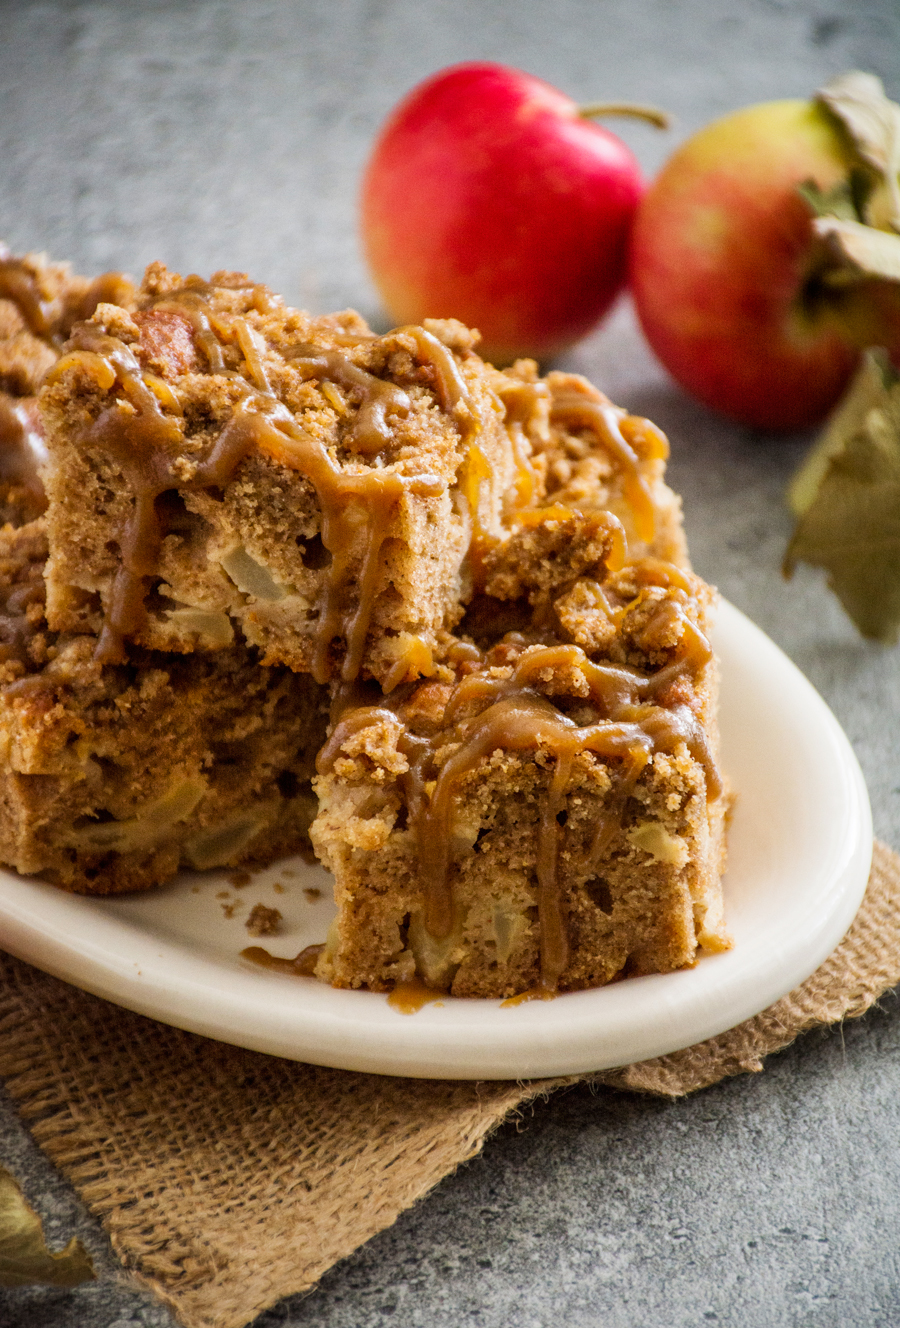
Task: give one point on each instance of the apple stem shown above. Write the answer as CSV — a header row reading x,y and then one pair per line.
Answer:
x,y
651,114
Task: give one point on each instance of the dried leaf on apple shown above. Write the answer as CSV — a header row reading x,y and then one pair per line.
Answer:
x,y
841,201
872,121
857,250
848,498
24,1257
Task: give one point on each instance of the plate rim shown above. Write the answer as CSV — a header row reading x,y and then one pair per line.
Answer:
x,y
119,962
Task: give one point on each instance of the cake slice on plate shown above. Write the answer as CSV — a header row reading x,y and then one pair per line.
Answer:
x,y
223,464
116,775
546,812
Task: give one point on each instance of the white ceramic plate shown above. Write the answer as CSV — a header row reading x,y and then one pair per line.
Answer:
x,y
799,854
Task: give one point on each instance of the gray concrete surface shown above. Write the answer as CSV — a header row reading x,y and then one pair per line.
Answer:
x,y
231,133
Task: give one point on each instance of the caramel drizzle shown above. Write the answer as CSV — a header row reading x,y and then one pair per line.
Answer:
x,y
575,410
138,434
16,630
191,303
19,285
22,447
522,400
302,965
343,499
629,728
45,318
451,390
356,508
370,431
475,471
454,399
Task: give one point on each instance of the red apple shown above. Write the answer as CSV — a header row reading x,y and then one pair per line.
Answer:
x,y
489,198
730,279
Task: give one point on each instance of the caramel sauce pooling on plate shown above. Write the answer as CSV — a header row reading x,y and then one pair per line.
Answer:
x,y
410,997
302,965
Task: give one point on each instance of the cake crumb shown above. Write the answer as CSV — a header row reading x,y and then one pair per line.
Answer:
x,y
222,894
240,879
312,894
263,921
279,888
230,909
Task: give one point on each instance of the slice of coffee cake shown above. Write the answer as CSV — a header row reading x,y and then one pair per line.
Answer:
x,y
222,461
115,775
546,812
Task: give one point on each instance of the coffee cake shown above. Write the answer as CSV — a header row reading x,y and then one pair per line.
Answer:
x,y
115,775
546,812
256,515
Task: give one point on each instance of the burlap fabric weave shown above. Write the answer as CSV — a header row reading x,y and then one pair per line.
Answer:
x,y
228,1179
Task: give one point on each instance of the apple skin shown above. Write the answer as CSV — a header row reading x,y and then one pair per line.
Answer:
x,y
488,199
722,255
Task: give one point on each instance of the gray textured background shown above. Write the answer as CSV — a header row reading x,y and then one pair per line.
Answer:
x,y
217,133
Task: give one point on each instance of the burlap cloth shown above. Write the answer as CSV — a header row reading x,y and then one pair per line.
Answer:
x,y
228,1179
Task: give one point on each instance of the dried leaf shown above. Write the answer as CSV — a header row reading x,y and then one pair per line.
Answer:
x,y
24,1257
851,523
873,124
856,250
840,201
867,390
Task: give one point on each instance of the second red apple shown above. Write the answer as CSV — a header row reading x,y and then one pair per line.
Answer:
x,y
737,292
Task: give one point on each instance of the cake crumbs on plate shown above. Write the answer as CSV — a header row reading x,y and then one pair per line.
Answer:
x,y
263,921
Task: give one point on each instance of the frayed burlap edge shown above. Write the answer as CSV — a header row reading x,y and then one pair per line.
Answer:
x,y
228,1180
